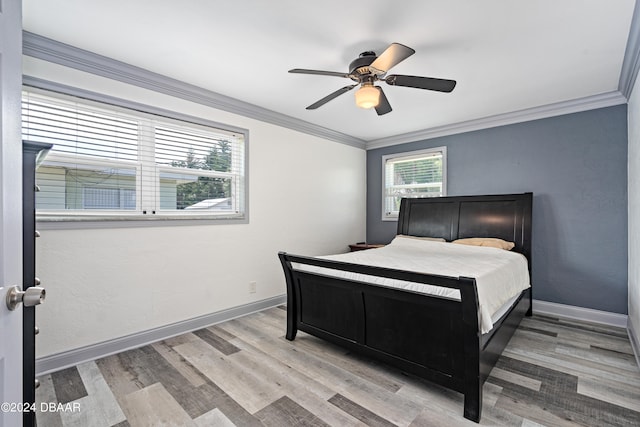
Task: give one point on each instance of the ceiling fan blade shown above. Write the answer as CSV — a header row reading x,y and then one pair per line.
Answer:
x,y
383,105
391,57
429,83
331,96
319,72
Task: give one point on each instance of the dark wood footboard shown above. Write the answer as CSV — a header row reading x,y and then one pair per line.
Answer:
x,y
432,337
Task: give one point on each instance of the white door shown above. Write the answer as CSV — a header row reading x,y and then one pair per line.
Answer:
x,y
10,208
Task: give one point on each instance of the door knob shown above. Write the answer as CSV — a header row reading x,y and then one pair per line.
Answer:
x,y
32,296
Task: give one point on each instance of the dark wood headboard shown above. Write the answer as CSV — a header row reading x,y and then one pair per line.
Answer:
x,y
505,216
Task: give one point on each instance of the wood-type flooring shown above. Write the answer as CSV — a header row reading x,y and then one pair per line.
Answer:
x,y
243,372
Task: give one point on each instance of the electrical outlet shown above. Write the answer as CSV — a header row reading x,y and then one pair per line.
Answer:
x,y
252,287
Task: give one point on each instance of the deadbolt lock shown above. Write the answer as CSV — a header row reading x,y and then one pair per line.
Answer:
x,y
32,296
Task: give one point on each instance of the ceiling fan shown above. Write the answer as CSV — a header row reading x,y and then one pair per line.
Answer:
x,y
369,68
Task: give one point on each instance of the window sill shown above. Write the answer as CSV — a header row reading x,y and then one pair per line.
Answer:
x,y
61,222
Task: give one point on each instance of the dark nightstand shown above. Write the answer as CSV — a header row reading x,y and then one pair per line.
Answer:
x,y
363,246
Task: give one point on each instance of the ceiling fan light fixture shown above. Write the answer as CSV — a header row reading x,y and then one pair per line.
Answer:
x,y
369,68
368,96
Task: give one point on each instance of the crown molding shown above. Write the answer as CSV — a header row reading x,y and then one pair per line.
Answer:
x,y
59,53
63,54
631,62
560,108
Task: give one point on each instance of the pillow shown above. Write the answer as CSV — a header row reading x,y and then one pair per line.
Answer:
x,y
435,239
486,241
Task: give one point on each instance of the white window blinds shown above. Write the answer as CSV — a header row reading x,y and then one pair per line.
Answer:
x,y
111,161
415,174
79,131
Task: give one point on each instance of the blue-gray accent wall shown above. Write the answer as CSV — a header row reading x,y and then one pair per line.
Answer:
x,y
576,167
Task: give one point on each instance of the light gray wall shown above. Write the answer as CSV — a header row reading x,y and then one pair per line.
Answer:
x,y
633,322
576,167
175,273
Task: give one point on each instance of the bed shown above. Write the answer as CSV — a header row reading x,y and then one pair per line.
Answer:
x,y
439,337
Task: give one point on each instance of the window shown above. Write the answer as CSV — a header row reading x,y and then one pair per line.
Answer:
x,y
112,162
414,174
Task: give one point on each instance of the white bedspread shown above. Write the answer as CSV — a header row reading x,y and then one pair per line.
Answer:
x,y
500,275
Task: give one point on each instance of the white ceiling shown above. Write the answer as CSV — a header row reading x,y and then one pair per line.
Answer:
x,y
506,55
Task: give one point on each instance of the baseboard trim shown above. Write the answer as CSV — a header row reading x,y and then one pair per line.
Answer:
x,y
633,337
56,362
580,313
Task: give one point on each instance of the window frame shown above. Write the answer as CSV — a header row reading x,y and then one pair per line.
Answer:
x,y
393,216
107,218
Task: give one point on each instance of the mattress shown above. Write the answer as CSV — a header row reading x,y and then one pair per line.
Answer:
x,y
500,275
